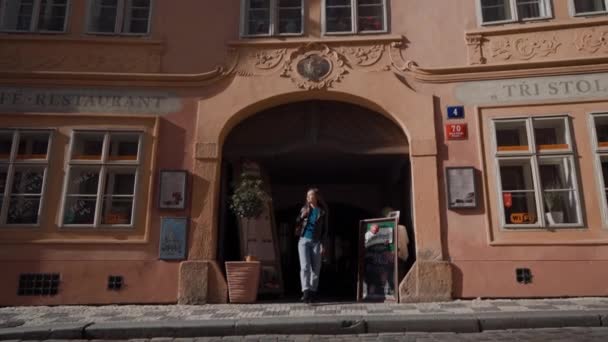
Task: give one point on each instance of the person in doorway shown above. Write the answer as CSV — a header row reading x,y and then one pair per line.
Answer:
x,y
312,231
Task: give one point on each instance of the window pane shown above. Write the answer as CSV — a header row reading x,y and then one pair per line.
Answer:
x,y
584,6
604,161
338,16
495,10
52,15
290,16
601,130
28,180
371,15
556,173
550,134
123,146
511,136
120,182
530,9
79,210
6,144
83,181
17,15
557,180
3,178
518,193
33,145
87,146
23,210
258,17
137,16
117,210
103,16
516,175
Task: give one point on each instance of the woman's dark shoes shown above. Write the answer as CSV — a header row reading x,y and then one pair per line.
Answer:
x,y
312,296
306,298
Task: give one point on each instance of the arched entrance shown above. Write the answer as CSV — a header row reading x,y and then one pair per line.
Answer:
x,y
357,157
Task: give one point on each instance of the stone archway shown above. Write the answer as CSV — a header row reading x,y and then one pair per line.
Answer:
x,y
233,100
356,156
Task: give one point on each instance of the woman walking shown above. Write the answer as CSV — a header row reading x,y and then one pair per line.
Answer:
x,y
312,230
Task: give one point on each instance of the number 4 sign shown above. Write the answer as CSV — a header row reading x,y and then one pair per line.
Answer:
x,y
456,112
456,131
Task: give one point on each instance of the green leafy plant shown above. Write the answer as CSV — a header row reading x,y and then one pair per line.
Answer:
x,y
249,197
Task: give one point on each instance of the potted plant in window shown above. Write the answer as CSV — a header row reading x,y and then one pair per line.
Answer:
x,y
247,202
554,206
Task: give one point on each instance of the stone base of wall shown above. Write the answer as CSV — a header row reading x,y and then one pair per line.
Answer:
x,y
201,282
427,281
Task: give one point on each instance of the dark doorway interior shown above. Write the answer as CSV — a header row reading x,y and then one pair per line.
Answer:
x,y
357,158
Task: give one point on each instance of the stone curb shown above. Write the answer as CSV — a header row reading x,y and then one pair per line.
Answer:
x,y
323,325
45,332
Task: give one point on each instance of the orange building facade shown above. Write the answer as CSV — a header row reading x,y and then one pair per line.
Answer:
x,y
485,123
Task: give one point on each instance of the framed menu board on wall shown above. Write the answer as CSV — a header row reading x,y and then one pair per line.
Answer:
x,y
377,279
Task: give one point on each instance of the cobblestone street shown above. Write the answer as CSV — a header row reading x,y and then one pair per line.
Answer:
x,y
530,335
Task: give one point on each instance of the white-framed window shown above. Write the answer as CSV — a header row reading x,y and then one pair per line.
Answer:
x,y
24,158
504,11
34,15
102,178
588,7
130,17
536,173
272,17
599,128
354,16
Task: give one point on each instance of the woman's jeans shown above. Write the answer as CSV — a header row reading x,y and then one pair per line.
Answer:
x,y
310,263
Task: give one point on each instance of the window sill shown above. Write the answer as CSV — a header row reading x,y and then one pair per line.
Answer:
x,y
488,29
270,41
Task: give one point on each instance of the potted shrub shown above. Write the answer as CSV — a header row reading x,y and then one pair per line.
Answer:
x,y
554,207
247,202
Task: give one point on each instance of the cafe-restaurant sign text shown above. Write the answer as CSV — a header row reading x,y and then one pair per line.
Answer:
x,y
553,88
63,100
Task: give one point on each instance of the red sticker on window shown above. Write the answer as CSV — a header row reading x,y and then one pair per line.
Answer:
x,y
507,198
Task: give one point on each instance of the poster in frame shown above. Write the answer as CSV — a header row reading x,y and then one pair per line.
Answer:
x,y
172,189
173,238
461,188
377,279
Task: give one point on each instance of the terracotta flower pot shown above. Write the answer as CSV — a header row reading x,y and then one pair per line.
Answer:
x,y
243,279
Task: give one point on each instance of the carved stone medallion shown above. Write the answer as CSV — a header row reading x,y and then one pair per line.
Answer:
x,y
314,67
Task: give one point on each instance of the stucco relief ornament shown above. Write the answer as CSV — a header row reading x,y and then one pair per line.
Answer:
x,y
363,56
524,48
267,60
314,66
591,41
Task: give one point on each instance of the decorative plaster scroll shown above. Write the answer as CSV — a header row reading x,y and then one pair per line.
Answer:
x,y
266,60
80,56
592,40
524,48
542,42
475,52
318,65
363,56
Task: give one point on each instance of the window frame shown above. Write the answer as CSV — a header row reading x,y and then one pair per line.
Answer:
x,y
535,156
35,18
11,163
104,164
121,8
573,12
514,14
599,152
355,20
273,24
